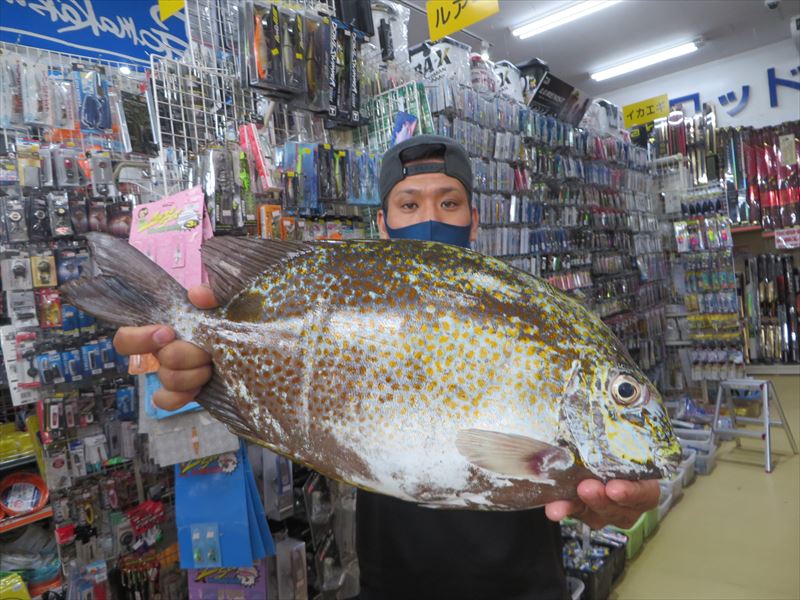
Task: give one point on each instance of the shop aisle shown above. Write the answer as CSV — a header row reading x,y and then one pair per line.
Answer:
x,y
734,534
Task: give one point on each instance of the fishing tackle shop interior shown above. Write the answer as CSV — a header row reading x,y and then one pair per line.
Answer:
x,y
643,158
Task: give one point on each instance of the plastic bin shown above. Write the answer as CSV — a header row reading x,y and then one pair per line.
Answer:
x,y
673,487
650,522
705,462
702,440
664,505
576,587
598,583
636,535
687,468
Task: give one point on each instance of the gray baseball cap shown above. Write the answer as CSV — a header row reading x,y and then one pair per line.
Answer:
x,y
456,162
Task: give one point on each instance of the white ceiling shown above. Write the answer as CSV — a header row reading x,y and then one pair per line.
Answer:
x,y
624,31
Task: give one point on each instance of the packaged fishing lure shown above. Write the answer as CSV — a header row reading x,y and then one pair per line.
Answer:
x,y
11,111
62,99
94,106
318,56
261,43
36,97
28,163
39,219
293,53
14,215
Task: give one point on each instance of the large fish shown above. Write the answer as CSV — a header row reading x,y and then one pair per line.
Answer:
x,y
415,369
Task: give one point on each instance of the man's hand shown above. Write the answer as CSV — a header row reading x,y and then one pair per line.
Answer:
x,y
617,503
185,368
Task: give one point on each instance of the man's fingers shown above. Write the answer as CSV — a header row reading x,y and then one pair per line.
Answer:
x,y
639,495
593,494
185,380
173,400
142,340
202,297
183,355
561,509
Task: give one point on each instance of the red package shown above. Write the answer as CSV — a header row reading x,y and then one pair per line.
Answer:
x,y
751,173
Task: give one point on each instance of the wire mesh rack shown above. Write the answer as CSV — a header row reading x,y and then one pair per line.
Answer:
x,y
383,110
121,76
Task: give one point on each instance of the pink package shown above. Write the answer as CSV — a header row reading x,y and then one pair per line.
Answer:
x,y
170,233
221,582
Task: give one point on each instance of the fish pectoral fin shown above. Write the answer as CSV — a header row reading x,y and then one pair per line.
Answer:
x,y
511,454
216,399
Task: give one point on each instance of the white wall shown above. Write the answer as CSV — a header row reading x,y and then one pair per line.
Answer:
x,y
719,77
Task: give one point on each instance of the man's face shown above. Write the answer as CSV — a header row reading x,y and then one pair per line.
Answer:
x,y
428,197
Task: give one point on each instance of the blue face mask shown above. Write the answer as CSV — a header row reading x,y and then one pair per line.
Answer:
x,y
433,231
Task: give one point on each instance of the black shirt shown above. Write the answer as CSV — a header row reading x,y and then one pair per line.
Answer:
x,y
408,552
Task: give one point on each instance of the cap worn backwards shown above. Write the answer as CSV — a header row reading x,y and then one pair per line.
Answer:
x,y
455,162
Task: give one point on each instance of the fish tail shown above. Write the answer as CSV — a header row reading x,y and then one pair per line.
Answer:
x,y
125,287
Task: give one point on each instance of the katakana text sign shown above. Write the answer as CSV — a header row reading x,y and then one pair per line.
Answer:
x,y
646,111
448,16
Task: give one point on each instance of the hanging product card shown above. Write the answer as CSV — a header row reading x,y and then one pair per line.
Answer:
x,y
218,512
183,437
170,233
245,583
137,130
94,107
318,43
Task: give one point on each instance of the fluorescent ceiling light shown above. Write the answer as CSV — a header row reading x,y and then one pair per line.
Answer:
x,y
561,17
646,61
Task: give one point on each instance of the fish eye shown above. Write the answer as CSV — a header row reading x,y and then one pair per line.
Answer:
x,y
625,390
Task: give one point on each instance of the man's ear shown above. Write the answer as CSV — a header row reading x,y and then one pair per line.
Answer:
x,y
473,232
381,219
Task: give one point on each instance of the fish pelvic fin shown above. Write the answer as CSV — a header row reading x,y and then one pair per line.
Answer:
x,y
234,263
126,288
511,454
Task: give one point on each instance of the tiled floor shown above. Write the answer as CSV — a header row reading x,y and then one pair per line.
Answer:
x,y
736,533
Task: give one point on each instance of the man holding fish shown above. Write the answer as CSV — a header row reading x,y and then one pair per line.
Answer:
x,y
410,551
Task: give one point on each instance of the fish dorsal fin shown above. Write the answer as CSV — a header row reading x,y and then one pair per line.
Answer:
x,y
233,263
510,454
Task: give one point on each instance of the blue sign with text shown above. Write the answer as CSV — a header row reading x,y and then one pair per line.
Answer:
x,y
115,30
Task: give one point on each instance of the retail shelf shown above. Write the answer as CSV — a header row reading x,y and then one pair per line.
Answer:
x,y
757,369
11,523
17,461
665,160
745,229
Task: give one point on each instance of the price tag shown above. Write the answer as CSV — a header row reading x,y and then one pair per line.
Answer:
x,y
788,149
787,239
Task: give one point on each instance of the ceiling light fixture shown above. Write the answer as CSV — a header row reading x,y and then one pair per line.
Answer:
x,y
561,17
646,61
485,50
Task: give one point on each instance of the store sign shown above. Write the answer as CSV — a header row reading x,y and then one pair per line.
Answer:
x,y
787,239
448,16
559,99
106,29
445,59
511,83
645,111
